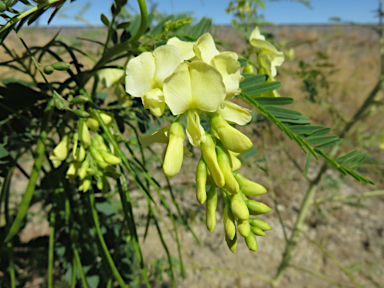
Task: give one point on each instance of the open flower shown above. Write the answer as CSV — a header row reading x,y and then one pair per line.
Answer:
x,y
194,88
226,63
145,75
268,56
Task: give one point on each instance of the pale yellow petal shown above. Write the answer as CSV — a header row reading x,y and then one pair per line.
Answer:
x,y
195,131
139,74
208,90
167,58
229,68
258,40
205,48
234,113
154,101
110,76
177,90
186,48
160,136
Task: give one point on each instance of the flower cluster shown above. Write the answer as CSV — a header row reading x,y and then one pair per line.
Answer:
x,y
91,157
194,80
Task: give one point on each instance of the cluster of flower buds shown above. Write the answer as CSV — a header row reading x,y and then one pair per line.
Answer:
x,y
91,157
194,79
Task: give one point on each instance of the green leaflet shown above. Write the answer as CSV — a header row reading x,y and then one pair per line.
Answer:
x,y
280,115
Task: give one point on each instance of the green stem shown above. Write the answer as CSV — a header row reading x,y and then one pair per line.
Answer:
x,y
122,47
126,201
74,272
106,253
40,149
26,13
51,246
11,264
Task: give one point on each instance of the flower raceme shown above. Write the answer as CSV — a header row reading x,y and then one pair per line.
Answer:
x,y
196,81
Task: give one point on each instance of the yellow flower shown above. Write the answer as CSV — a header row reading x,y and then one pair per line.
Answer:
x,y
110,76
192,88
145,75
268,56
225,62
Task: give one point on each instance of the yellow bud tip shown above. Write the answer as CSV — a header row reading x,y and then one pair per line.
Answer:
x,y
173,158
209,153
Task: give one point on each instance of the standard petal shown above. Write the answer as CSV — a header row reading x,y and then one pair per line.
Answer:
x,y
139,74
186,48
110,76
154,101
229,68
195,131
258,40
177,90
167,58
208,90
205,48
234,113
160,136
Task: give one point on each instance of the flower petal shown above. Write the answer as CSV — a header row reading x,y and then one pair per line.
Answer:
x,y
186,48
195,131
229,68
139,74
167,58
234,113
154,101
177,90
208,90
258,40
160,136
205,48
110,76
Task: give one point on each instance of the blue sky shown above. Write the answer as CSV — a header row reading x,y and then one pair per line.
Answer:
x,y
281,12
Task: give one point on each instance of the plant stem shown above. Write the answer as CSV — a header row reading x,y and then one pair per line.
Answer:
x,y
51,246
106,253
40,149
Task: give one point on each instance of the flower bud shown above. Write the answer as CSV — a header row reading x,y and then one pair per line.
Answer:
x,y
257,207
48,70
83,169
98,142
250,240
232,244
60,153
109,158
239,208
175,150
211,208
85,184
257,231
210,158
231,138
79,155
96,154
86,138
235,162
72,170
248,69
230,182
260,224
80,99
93,124
107,118
61,66
243,227
81,113
248,187
229,223
201,180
